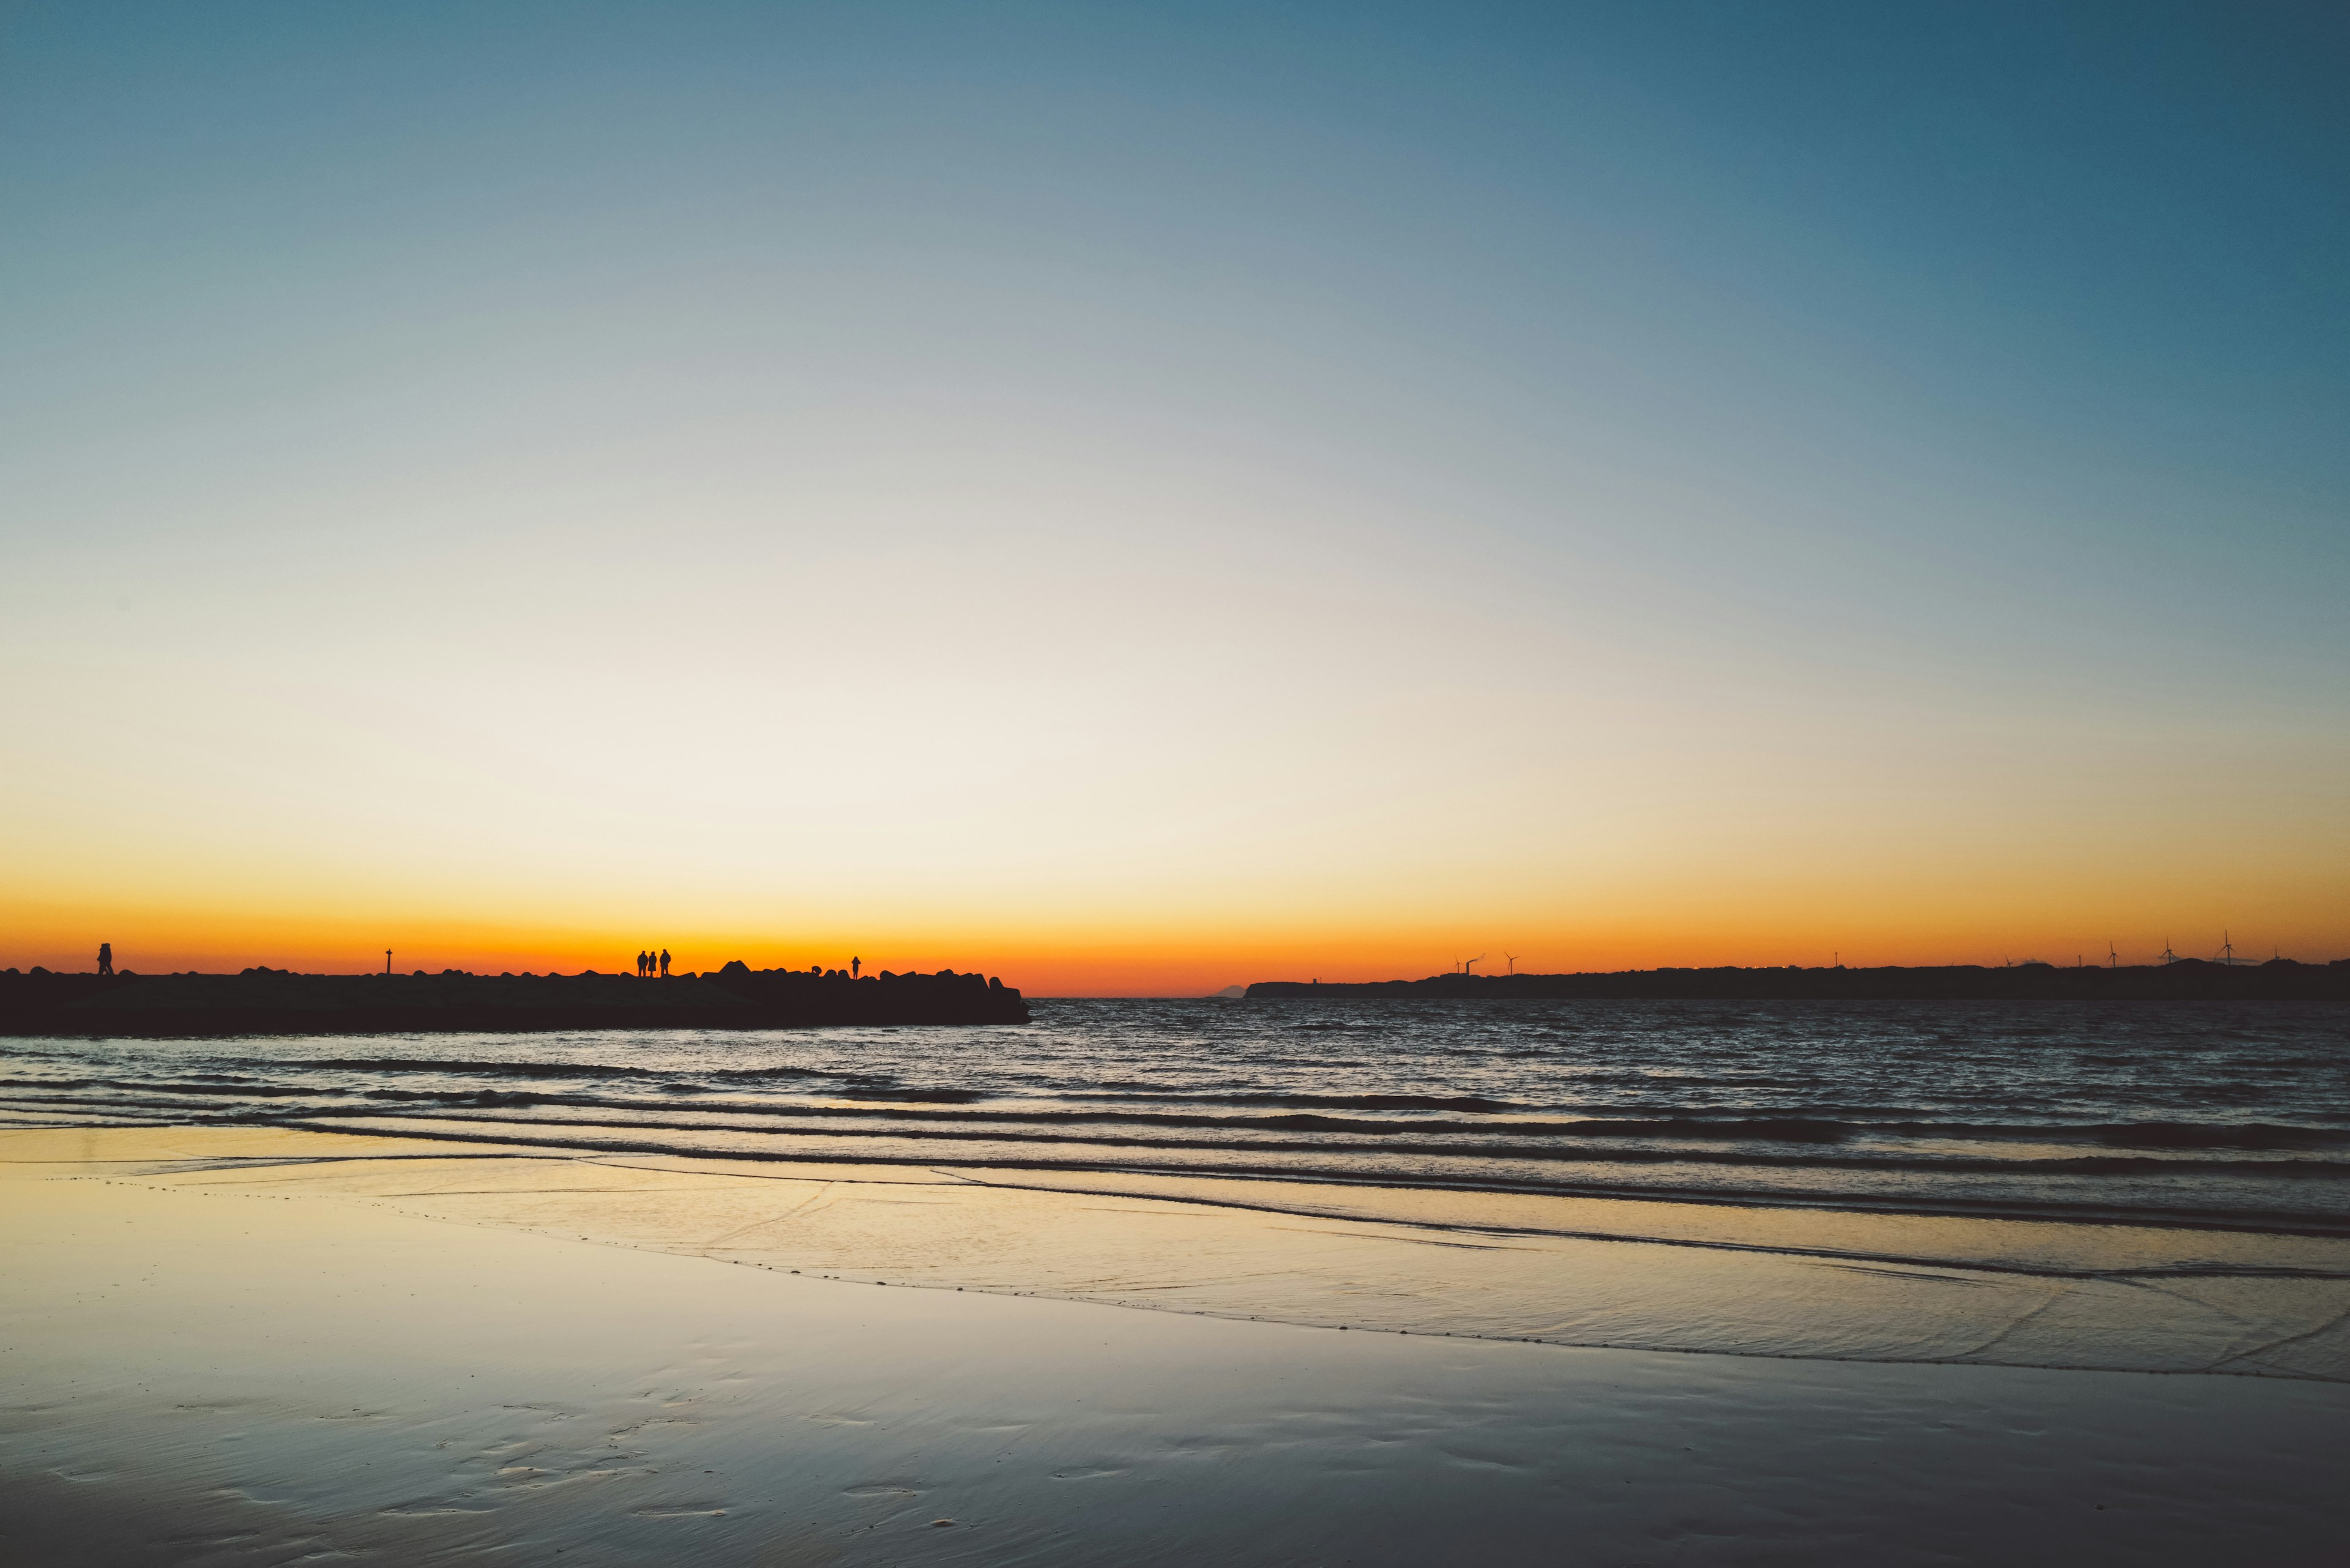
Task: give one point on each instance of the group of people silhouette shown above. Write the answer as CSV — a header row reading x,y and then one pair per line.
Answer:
x,y
653,964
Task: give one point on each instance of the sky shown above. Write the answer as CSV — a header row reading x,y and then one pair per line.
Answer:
x,y
1137,500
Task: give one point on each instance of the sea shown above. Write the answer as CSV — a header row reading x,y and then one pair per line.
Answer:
x,y
2212,1115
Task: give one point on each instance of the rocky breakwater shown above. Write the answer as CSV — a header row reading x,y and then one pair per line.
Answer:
x,y
275,1001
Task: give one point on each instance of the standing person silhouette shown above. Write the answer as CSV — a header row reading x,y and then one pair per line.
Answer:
x,y
664,963
852,968
106,958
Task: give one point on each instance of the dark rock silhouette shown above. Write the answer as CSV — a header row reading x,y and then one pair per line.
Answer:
x,y
2189,980
261,1001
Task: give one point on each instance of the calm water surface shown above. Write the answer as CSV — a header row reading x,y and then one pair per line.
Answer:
x,y
2195,1114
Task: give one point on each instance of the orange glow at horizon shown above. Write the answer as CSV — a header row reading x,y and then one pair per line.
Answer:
x,y
1045,962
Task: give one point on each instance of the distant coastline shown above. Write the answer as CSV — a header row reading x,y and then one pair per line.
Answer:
x,y
275,1001
2189,980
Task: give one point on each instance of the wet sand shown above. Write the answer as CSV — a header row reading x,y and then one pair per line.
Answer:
x,y
444,1359
1608,1273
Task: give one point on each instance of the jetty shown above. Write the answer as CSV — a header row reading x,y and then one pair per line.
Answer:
x,y
278,1001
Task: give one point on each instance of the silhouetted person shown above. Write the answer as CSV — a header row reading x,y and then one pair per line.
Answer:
x,y
852,969
106,958
664,963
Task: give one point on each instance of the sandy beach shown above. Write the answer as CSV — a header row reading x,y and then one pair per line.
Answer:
x,y
228,1346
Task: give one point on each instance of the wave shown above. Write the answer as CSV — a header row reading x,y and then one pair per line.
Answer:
x,y
533,1069
919,1097
1888,1160
2154,1111
2177,1215
757,1073
880,1102
221,1091
474,1069
1308,1101
2220,1135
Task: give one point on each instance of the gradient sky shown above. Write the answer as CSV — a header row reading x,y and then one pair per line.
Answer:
x,y
1141,500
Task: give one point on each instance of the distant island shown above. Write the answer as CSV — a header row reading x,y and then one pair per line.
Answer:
x,y
277,1002
2189,980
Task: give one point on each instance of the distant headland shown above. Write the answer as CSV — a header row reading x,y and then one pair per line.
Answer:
x,y
2189,980
277,1002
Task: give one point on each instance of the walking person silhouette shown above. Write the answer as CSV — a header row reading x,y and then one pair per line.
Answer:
x,y
106,958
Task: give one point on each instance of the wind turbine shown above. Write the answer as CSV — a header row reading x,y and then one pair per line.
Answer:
x,y
2168,957
1513,961
2227,949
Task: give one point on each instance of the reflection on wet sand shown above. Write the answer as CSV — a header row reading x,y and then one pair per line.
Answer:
x,y
1572,1271
230,1349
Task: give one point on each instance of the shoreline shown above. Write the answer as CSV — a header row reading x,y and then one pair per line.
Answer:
x,y
2002,1209
263,1370
1659,1274
2204,1116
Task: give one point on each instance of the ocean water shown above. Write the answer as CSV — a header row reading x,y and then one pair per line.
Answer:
x,y
2235,1116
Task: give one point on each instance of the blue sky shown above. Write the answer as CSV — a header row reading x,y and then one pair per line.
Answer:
x,y
1934,410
